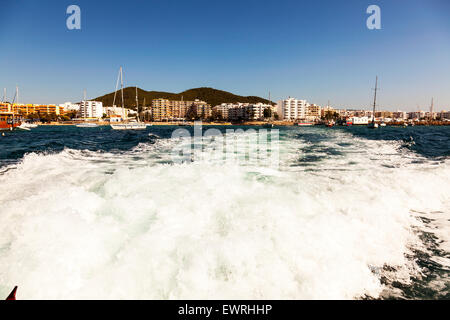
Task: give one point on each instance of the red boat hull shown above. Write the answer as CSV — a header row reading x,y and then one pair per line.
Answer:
x,y
4,125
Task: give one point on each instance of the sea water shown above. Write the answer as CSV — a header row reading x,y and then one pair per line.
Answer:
x,y
348,213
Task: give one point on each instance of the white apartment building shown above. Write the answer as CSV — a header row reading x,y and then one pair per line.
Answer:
x,y
256,111
243,111
416,115
292,109
399,115
91,109
445,114
116,111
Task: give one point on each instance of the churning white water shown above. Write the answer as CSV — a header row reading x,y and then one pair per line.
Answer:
x,y
131,225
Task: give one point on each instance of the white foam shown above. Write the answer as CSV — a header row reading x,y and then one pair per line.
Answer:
x,y
81,224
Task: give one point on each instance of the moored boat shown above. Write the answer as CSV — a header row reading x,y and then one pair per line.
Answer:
x,y
9,121
127,125
87,125
304,124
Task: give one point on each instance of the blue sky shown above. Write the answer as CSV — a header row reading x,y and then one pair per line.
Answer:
x,y
315,50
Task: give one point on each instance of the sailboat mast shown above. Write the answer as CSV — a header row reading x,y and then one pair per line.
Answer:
x,y
431,109
137,106
143,109
121,89
84,104
4,95
375,100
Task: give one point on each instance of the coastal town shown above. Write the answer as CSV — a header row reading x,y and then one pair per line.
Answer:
x,y
290,111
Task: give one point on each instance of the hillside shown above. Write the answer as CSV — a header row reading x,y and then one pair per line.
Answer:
x,y
210,95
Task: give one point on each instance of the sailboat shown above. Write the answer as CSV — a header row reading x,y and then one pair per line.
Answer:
x,y
86,124
374,125
127,125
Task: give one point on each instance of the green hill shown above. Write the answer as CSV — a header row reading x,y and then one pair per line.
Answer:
x,y
210,95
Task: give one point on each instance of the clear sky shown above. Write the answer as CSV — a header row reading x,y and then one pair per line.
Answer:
x,y
316,50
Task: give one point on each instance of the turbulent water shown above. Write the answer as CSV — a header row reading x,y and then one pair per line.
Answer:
x,y
349,213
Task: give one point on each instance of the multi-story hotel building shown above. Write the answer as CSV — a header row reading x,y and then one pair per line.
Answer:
x,y
399,115
416,115
313,111
91,109
244,111
164,109
292,109
26,109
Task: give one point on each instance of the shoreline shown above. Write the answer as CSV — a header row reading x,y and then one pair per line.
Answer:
x,y
247,123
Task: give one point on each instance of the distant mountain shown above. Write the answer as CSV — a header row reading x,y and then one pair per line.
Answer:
x,y
210,95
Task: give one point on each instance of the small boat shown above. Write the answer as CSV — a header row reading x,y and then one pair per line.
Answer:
x,y
382,124
27,126
87,125
304,124
9,121
330,124
129,126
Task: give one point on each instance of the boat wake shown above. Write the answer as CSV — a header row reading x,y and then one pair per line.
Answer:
x,y
342,218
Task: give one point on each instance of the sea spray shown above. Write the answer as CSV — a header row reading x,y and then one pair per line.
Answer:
x,y
80,224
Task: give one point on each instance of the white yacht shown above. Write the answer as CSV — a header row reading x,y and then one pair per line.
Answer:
x,y
27,126
127,125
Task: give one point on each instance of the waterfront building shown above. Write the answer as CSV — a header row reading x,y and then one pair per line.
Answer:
x,y
445,114
256,111
399,115
416,115
202,108
91,109
238,113
325,110
115,118
26,109
116,111
292,109
244,111
383,114
313,112
431,115
223,109
166,110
